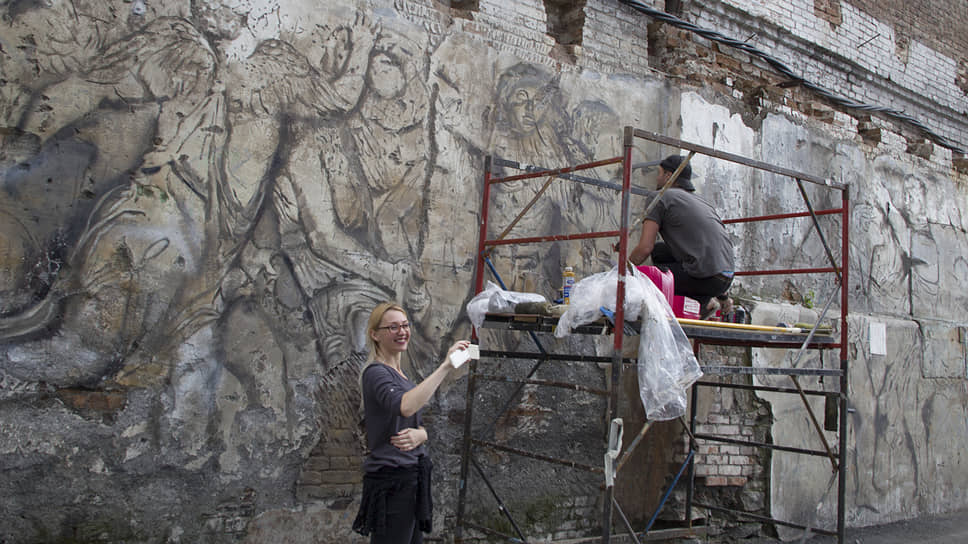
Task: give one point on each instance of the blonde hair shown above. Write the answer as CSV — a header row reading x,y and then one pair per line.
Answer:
x,y
376,317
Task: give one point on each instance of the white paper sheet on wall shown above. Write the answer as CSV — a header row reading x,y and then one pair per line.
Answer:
x,y
878,339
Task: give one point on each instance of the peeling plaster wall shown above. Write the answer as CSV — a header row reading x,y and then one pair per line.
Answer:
x,y
902,215
866,58
202,201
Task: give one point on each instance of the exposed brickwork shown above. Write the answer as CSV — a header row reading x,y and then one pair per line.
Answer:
x,y
616,40
708,64
939,24
728,473
469,5
565,22
960,163
728,464
863,60
869,130
553,36
961,78
897,66
828,10
333,468
864,57
922,148
97,404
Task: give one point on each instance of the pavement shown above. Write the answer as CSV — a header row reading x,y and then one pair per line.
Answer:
x,y
950,528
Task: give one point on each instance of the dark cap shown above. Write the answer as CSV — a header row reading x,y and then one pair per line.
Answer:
x,y
670,163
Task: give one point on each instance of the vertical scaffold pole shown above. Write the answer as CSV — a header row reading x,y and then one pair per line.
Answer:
x,y
616,373
844,365
623,243
482,234
472,370
691,476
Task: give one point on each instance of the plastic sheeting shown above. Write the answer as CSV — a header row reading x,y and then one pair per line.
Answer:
x,y
495,300
667,365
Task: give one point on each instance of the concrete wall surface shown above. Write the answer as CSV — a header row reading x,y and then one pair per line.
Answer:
x,y
201,202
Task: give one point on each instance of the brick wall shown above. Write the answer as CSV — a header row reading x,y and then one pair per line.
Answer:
x,y
886,54
332,471
616,40
863,54
939,24
727,464
728,474
609,38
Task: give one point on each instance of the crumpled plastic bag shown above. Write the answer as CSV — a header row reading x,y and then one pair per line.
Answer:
x,y
495,300
667,366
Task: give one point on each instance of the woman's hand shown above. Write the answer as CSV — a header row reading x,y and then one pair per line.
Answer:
x,y
458,345
417,397
409,439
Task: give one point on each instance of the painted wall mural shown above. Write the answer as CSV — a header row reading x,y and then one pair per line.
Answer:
x,y
204,201
203,172
200,203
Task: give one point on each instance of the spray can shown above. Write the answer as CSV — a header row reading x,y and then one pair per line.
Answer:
x,y
567,283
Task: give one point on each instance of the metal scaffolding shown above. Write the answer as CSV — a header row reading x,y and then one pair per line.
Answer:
x,y
699,332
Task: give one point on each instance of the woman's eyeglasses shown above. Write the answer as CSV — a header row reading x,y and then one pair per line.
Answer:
x,y
395,328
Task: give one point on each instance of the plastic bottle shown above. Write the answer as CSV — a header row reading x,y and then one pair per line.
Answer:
x,y
739,315
567,282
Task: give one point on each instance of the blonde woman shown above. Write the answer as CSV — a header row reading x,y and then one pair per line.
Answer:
x,y
396,505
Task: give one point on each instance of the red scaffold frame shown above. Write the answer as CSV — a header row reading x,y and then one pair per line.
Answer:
x,y
697,332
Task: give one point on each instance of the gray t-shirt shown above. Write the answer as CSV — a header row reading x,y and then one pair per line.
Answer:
x,y
383,388
694,233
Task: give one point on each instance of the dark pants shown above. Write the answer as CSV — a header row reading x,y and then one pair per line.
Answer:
x,y
701,289
401,517
396,506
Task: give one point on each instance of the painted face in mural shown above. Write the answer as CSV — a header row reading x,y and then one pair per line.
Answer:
x,y
527,105
386,75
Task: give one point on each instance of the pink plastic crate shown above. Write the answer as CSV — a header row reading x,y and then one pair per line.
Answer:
x,y
684,307
663,280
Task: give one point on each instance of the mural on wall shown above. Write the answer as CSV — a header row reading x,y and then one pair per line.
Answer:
x,y
201,202
214,160
196,204
897,241
533,127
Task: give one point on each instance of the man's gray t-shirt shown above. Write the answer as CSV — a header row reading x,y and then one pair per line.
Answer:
x,y
383,388
694,233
